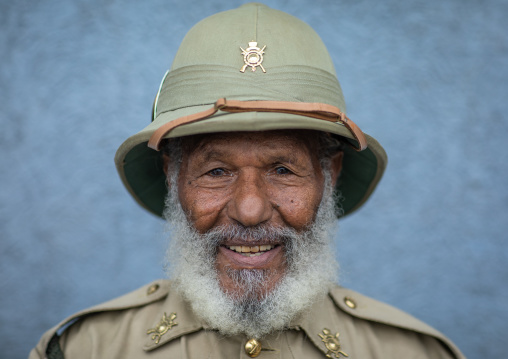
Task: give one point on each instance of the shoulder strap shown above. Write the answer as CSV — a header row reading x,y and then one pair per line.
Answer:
x,y
366,308
155,291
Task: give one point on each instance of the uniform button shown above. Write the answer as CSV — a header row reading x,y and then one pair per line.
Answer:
x,y
253,348
350,302
152,289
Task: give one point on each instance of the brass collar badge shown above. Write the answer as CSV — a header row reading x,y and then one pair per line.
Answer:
x,y
253,56
162,328
332,344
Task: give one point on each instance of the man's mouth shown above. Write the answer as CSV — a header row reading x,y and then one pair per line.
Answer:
x,y
261,256
251,251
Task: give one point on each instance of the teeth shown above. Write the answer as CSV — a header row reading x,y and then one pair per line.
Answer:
x,y
251,254
251,251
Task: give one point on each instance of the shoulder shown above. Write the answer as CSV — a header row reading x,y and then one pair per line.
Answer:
x,y
387,318
144,302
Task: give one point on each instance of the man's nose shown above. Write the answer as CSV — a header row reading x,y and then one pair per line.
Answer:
x,y
250,204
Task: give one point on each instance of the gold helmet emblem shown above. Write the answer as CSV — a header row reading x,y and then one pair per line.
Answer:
x,y
253,56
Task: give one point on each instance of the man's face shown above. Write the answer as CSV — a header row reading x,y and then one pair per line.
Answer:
x,y
253,179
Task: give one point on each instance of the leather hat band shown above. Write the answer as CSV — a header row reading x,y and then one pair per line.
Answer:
x,y
320,111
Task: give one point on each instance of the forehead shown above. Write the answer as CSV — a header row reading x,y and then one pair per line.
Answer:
x,y
297,142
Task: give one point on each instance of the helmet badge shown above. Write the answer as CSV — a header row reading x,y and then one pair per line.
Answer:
x,y
253,56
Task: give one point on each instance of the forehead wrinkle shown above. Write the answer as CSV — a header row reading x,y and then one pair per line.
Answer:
x,y
291,159
210,148
205,149
264,156
211,155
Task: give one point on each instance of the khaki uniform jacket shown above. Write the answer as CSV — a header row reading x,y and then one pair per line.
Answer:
x,y
154,322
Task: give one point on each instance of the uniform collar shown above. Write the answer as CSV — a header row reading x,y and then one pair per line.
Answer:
x,y
321,315
184,322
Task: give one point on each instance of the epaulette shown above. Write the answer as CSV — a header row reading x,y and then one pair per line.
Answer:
x,y
363,307
48,345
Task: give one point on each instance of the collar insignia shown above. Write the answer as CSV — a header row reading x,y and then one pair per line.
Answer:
x,y
332,344
253,56
165,324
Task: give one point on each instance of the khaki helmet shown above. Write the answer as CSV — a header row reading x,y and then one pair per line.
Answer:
x,y
249,69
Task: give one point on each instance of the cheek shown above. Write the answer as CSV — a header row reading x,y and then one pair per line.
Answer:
x,y
203,208
298,207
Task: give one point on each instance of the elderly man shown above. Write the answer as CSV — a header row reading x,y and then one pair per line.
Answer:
x,y
250,158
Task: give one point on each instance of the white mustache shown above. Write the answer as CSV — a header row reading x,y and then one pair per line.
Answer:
x,y
268,234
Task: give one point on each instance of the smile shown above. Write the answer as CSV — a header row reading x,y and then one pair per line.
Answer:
x,y
253,251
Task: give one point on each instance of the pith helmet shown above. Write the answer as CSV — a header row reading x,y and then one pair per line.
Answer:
x,y
249,69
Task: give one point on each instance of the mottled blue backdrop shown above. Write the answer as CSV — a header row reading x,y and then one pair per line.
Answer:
x,y
428,79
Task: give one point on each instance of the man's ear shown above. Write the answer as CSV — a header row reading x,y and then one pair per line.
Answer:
x,y
336,166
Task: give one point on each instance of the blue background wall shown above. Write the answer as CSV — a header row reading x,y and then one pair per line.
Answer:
x,y
428,79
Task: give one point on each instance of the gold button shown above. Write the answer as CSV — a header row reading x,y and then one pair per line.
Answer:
x,y
350,302
253,348
152,289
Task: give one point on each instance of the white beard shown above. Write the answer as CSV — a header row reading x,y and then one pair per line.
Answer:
x,y
311,267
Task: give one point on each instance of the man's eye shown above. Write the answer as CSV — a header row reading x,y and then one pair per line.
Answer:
x,y
217,172
282,171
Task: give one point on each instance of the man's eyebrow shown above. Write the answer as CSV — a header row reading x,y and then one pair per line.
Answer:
x,y
212,155
286,159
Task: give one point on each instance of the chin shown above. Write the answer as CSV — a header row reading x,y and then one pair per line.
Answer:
x,y
249,284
